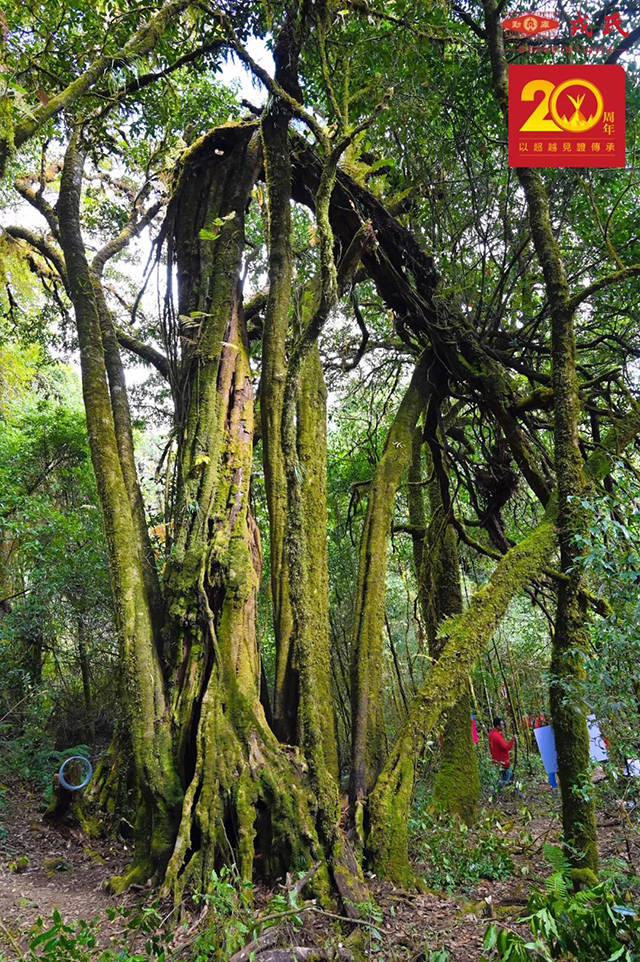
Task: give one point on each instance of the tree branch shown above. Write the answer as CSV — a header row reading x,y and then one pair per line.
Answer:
x,y
43,246
142,42
146,352
116,244
607,281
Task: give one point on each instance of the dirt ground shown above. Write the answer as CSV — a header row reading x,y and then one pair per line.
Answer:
x,y
68,871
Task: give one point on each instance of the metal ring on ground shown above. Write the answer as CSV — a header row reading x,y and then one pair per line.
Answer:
x,y
65,783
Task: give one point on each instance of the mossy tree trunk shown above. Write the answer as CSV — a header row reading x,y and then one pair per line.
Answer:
x,y
277,165
245,799
311,440
457,784
294,446
124,437
368,736
571,636
144,694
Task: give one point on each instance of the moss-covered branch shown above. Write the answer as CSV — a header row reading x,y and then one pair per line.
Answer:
x,y
136,224
142,43
44,247
465,637
124,439
146,352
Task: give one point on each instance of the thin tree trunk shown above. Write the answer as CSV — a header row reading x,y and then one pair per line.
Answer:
x,y
457,784
277,161
415,500
124,437
571,634
366,683
84,668
312,456
143,692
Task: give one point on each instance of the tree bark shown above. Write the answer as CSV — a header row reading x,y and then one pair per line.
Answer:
x,y
143,692
367,720
571,636
277,163
457,784
124,438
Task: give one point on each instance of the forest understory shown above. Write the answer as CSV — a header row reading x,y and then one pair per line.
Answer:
x,y
68,871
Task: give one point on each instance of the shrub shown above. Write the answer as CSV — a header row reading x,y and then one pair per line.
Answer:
x,y
455,855
574,926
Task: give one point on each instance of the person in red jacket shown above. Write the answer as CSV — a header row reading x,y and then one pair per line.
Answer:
x,y
500,749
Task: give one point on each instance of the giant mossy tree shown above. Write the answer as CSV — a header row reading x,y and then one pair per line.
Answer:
x,y
217,773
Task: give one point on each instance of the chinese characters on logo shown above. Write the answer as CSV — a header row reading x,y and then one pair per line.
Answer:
x,y
545,24
566,116
580,24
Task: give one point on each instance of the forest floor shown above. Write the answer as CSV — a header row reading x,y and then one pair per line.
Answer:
x,y
67,871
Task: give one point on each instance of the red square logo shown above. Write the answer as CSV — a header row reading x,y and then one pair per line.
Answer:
x,y
567,116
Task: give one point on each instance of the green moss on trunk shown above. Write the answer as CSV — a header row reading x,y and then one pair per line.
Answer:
x,y
465,638
142,692
366,702
278,180
457,783
315,716
247,798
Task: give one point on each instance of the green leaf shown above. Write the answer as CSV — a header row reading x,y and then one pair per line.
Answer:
x,y
490,937
618,954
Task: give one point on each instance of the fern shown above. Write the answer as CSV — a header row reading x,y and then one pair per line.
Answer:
x,y
556,886
556,859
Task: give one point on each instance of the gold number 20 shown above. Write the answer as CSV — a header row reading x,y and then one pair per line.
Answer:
x,y
539,119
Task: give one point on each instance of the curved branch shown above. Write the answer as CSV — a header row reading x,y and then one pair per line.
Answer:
x,y
146,352
36,200
42,245
116,98
623,275
116,244
351,365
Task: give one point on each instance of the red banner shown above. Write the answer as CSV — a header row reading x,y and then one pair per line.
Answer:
x,y
567,116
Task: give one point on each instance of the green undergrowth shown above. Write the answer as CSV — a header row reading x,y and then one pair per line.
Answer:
x,y
144,934
600,923
454,856
28,748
